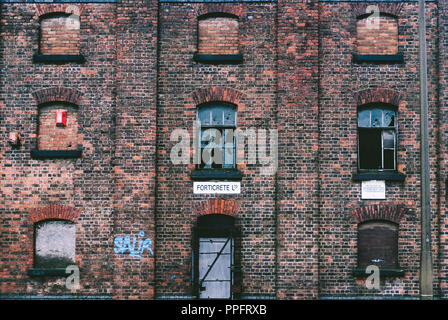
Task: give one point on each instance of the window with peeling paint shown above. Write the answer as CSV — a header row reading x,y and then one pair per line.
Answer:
x,y
218,124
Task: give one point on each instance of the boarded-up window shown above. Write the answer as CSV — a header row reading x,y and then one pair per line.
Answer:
x,y
54,244
377,35
215,262
378,244
59,35
58,137
218,36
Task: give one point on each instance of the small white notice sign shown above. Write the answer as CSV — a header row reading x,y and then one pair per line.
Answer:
x,y
216,187
373,189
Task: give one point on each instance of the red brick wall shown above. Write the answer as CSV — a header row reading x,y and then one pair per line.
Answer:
x,y
53,137
59,35
252,87
381,39
298,231
218,35
442,275
297,178
135,142
340,81
85,184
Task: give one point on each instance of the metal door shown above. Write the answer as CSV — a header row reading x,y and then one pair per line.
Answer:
x,y
215,262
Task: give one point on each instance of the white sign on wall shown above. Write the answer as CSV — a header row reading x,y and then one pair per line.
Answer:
x,y
373,189
216,187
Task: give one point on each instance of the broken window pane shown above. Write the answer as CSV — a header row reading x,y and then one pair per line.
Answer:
x,y
377,118
219,150
389,118
376,145
370,149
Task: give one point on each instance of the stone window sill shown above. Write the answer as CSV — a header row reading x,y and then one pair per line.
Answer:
x,y
218,58
390,273
378,58
378,175
216,174
55,154
41,272
58,58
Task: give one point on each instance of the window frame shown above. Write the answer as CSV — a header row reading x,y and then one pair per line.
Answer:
x,y
222,129
383,107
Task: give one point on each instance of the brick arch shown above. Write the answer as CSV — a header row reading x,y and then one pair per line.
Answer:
x,y
43,10
216,94
392,213
377,95
55,211
57,94
220,8
391,9
228,207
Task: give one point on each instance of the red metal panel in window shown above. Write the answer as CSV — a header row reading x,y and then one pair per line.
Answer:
x,y
61,118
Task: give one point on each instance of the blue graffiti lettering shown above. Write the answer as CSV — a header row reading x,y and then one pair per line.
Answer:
x,y
123,245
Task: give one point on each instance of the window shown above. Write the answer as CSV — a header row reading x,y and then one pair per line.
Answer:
x,y
378,244
377,126
377,37
54,244
218,39
59,34
59,39
218,35
58,126
218,124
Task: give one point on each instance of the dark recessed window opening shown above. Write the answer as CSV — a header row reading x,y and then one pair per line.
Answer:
x,y
377,138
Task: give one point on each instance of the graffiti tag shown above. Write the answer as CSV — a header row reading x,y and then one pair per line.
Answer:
x,y
125,245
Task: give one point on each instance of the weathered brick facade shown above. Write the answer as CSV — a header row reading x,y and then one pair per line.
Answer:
x,y
299,71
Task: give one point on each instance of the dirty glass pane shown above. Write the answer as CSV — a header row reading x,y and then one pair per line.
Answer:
x,y
55,244
229,116
217,116
204,116
364,118
229,158
388,139
377,118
